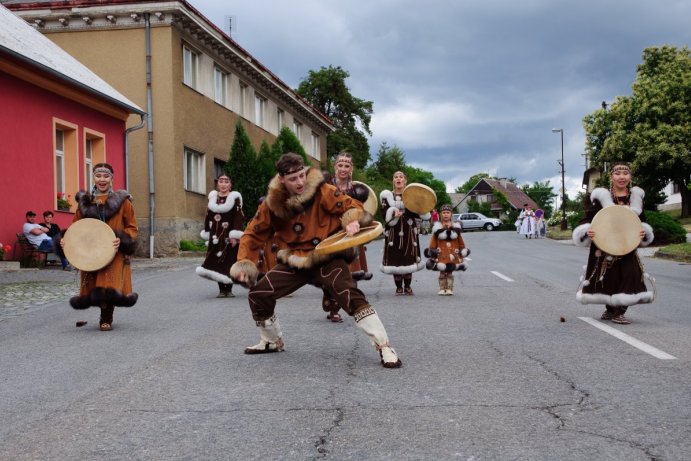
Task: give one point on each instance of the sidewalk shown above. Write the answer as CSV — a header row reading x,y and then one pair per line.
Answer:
x,y
24,290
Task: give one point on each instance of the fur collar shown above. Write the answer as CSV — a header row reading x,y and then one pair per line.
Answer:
x,y
89,209
446,233
604,196
223,207
286,206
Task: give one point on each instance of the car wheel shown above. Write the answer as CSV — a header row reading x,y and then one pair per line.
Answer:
x,y
489,226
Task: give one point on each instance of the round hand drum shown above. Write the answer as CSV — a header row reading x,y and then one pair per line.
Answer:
x,y
341,241
89,244
617,230
371,205
419,198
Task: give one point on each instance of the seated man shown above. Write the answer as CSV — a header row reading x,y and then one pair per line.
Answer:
x,y
38,237
53,229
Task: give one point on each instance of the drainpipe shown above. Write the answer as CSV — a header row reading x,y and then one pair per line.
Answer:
x,y
150,135
127,149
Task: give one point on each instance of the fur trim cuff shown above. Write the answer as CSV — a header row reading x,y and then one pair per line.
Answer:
x,y
250,270
637,196
603,196
205,235
127,244
465,252
649,235
100,295
213,275
580,235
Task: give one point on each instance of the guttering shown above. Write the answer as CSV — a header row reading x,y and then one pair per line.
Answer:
x,y
127,148
150,134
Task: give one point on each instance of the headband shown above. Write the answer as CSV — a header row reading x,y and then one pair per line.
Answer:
x,y
343,158
102,169
291,169
446,207
621,168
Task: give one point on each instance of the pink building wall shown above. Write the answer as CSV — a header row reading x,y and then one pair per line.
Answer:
x,y
27,152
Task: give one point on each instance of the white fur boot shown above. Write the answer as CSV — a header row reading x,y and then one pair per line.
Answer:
x,y
271,338
369,322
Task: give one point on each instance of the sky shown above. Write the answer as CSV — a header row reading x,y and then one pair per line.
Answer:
x,y
467,86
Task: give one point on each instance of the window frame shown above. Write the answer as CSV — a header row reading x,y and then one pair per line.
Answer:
x,y
260,103
221,99
194,181
190,67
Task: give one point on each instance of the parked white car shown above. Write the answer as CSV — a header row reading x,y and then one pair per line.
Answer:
x,y
471,221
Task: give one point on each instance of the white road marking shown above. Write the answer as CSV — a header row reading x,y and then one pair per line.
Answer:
x,y
647,348
502,276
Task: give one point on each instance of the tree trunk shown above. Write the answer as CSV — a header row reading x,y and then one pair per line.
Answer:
x,y
685,198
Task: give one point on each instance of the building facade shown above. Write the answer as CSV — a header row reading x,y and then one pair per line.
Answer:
x,y
58,118
195,83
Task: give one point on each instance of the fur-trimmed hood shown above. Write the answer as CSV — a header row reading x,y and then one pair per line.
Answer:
x,y
223,207
285,206
89,209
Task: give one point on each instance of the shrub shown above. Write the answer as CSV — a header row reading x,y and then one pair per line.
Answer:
x,y
667,229
189,245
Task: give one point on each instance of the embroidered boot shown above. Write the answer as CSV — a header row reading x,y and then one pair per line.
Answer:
x,y
442,287
271,338
449,286
368,321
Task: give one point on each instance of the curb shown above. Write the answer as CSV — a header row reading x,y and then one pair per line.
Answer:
x,y
673,257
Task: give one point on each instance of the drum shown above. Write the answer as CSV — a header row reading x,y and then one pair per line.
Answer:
x,y
341,241
89,244
617,230
371,205
419,198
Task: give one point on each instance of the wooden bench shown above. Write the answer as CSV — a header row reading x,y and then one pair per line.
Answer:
x,y
29,255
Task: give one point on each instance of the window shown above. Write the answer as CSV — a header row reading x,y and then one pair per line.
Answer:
x,y
60,161
194,171
190,64
218,167
243,98
297,128
94,153
280,117
220,86
259,106
315,145
66,161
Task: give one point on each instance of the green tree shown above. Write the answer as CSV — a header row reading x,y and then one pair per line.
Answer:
x,y
470,183
651,129
541,192
242,168
286,141
389,160
326,90
427,178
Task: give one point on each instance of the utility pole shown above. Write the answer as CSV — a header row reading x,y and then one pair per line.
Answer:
x,y
563,186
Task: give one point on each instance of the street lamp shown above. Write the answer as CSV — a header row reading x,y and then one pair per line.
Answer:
x,y
563,187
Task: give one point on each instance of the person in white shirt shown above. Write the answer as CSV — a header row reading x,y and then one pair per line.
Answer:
x,y
38,236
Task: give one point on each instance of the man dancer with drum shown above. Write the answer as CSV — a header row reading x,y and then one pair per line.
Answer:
x,y
111,285
615,281
401,240
300,211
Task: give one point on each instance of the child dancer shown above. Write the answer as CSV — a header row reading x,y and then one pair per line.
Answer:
x,y
446,250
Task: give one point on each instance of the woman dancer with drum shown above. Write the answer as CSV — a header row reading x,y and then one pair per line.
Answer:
x,y
111,285
222,231
343,180
401,239
615,281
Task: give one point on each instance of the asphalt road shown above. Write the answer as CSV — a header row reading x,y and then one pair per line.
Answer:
x,y
489,373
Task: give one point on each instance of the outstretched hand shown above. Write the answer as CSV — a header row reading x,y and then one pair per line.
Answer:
x,y
352,228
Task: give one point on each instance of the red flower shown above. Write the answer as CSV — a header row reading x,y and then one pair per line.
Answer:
x,y
60,194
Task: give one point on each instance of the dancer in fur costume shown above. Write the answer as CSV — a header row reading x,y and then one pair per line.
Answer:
x,y
401,240
300,211
343,180
446,250
112,285
615,281
222,231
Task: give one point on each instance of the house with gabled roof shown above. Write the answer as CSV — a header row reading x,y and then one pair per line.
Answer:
x,y
58,118
485,191
195,82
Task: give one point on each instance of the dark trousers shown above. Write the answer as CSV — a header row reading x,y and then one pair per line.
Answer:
x,y
282,280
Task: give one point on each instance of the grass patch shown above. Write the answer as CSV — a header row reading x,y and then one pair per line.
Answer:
x,y
677,249
556,233
189,245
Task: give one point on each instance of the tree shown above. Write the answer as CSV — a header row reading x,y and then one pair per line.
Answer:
x,y
470,183
427,178
651,129
326,90
242,168
389,160
286,141
541,192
